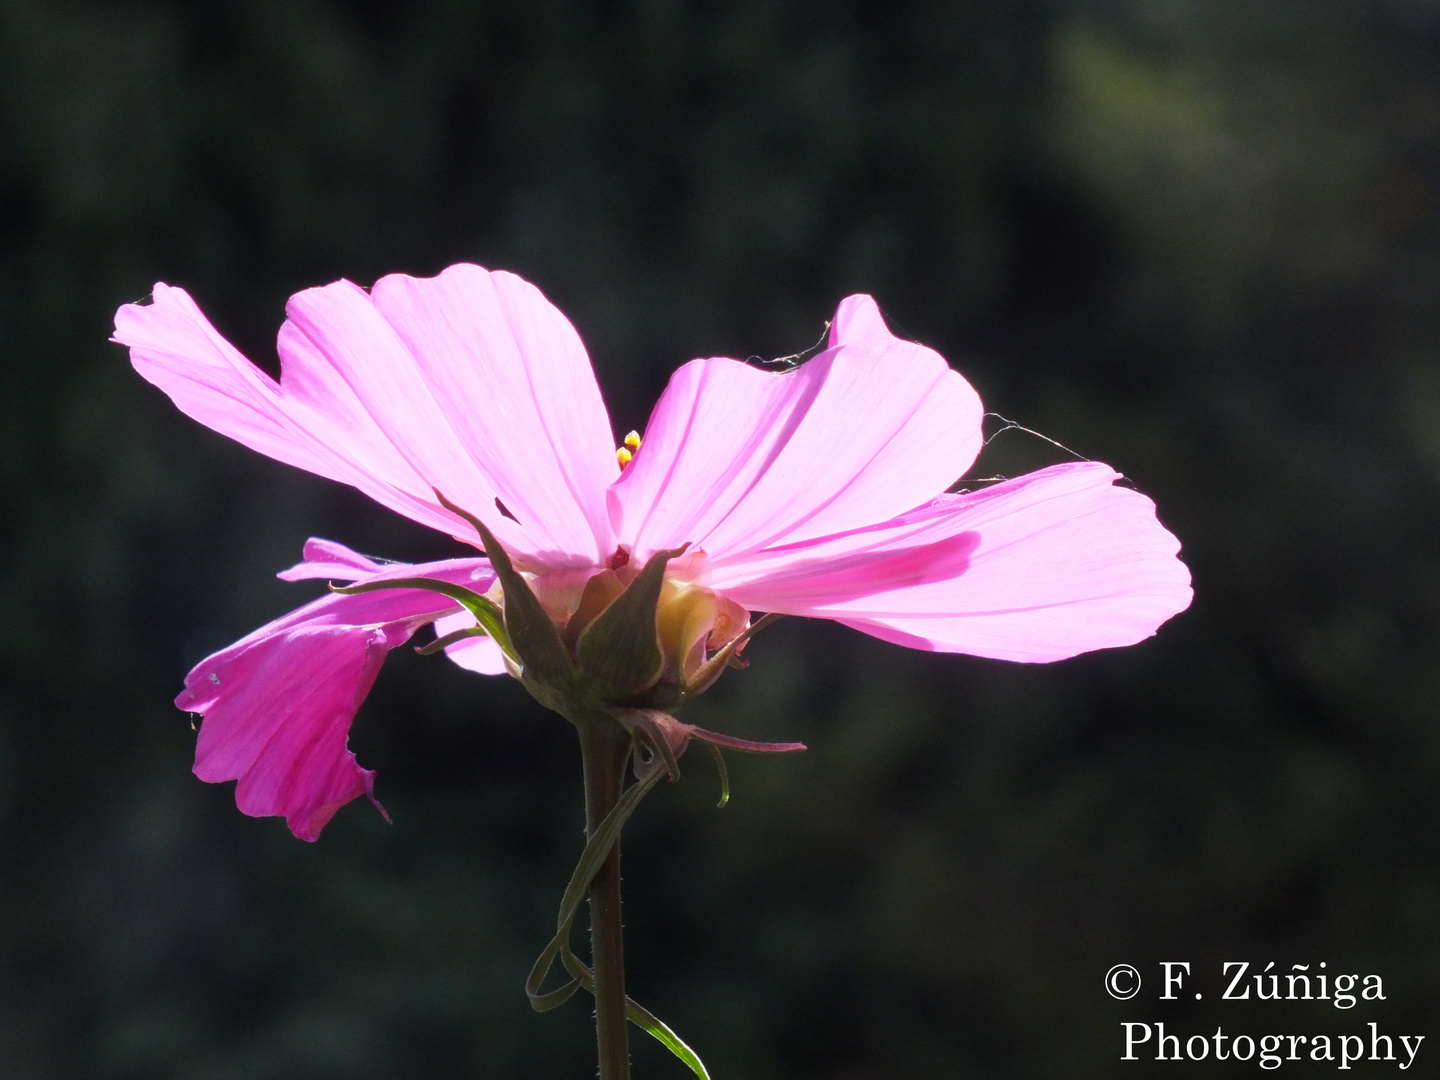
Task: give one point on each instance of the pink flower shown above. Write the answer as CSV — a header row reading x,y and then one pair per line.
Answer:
x,y
817,491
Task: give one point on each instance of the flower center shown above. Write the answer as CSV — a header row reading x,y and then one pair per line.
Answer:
x,y
626,450
691,620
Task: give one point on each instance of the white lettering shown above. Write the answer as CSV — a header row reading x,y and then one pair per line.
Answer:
x,y
1296,979
1131,1041
1173,981
1230,995
1160,1039
1274,985
1405,1042
1345,1055
1375,1038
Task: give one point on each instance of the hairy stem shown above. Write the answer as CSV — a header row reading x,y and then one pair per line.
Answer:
x,y
605,748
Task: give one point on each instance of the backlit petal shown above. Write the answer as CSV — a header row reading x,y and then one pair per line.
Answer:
x,y
1051,564
736,459
512,380
174,346
278,704
469,382
310,419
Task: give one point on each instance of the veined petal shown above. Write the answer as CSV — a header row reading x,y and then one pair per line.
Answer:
x,y
512,380
736,459
174,346
469,382
310,419
1051,564
278,704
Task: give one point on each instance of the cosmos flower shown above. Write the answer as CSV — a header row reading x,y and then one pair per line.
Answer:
x,y
819,491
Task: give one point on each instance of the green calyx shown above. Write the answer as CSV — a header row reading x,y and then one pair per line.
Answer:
x,y
619,653
617,659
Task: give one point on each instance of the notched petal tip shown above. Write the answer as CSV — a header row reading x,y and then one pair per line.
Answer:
x,y
858,319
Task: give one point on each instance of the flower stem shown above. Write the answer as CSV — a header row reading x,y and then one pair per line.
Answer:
x,y
605,749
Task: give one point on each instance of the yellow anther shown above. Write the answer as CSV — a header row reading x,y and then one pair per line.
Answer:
x,y
626,452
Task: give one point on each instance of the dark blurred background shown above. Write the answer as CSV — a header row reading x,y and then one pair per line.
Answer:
x,y
1196,239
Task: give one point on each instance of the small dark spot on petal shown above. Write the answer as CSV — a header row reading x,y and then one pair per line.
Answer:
x,y
505,510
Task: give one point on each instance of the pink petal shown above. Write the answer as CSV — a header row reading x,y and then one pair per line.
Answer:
x,y
469,382
278,704
173,346
310,419
736,459
478,654
1051,564
327,560
512,379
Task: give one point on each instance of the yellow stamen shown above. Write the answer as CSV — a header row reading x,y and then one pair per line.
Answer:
x,y
626,453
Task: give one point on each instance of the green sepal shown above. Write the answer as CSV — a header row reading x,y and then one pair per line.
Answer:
x,y
486,613
747,746
619,653
537,646
451,638
654,728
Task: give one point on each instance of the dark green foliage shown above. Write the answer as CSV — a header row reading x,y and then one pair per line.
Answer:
x,y
1194,239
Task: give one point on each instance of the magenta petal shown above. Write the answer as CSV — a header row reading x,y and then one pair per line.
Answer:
x,y
1051,564
736,459
278,704
329,561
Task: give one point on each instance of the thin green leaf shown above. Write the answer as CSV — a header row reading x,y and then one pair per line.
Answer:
x,y
724,774
544,1002
641,1017
597,848
647,1021
486,613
